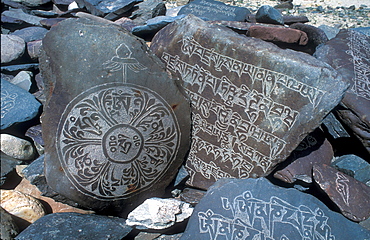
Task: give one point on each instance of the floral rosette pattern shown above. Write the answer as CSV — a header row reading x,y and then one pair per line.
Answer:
x,y
116,139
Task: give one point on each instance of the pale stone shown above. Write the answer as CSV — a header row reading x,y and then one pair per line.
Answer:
x,y
157,213
23,80
16,147
12,47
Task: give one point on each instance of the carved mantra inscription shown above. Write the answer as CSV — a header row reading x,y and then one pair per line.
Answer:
x,y
359,50
7,101
116,139
245,125
254,218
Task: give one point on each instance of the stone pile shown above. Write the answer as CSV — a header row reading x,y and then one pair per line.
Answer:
x,y
124,119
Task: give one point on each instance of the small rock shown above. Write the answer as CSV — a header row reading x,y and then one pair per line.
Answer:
x,y
23,80
76,226
330,32
20,67
48,23
334,127
182,176
16,147
35,133
31,33
290,19
277,34
12,48
8,164
316,36
268,14
354,166
157,213
33,49
147,10
192,195
8,228
19,15
33,3
23,206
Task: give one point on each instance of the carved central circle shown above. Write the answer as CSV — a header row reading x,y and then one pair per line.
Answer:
x,y
116,139
122,143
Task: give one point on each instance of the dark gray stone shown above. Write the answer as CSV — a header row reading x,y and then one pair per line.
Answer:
x,y
62,2
354,166
35,133
71,225
31,33
14,69
138,122
44,14
215,10
8,165
251,106
49,22
351,196
8,228
22,16
316,36
192,196
181,176
35,170
33,3
147,10
334,127
256,209
111,10
268,14
349,54
17,105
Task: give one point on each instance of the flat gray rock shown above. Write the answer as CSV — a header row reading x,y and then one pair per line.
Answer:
x,y
252,102
12,48
116,127
256,209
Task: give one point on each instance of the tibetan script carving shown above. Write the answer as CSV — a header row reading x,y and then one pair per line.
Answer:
x,y
359,50
7,101
342,186
253,218
116,139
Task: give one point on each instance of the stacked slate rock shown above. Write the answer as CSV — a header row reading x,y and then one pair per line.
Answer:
x,y
226,111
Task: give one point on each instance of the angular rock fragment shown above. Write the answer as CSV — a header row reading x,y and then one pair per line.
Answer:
x,y
215,10
351,196
76,226
23,17
274,34
354,166
17,147
12,48
8,228
31,33
349,53
268,14
252,102
256,209
116,127
334,127
8,165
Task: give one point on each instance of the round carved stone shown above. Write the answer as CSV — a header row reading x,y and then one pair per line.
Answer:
x,y
116,139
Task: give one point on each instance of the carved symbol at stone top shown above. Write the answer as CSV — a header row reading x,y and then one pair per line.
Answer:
x,y
122,60
114,140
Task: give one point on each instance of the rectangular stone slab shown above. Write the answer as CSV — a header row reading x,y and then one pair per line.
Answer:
x,y
252,102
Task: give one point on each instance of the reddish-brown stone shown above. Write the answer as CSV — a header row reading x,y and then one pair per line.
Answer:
x,y
351,196
273,34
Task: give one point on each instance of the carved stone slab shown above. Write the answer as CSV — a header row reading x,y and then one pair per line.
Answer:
x,y
255,209
215,10
252,102
116,127
349,53
351,196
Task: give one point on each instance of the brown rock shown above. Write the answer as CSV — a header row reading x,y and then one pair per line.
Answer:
x,y
192,196
351,196
273,34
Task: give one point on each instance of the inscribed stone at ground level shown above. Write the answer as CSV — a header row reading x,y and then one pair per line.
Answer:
x,y
116,128
256,209
349,53
252,102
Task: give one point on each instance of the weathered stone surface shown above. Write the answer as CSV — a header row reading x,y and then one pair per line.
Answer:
x,y
256,209
268,14
62,2
76,226
334,127
157,213
23,80
330,32
290,19
31,33
363,30
252,102
111,10
314,149
354,166
32,3
169,237
16,147
33,49
351,196
27,208
8,165
147,10
239,27
316,36
192,196
19,15
139,122
12,47
274,34
49,22
20,67
349,53
35,133
8,228
181,176
43,13
215,10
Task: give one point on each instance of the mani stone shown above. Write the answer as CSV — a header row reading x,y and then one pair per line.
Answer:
x,y
256,209
349,53
252,102
17,105
12,48
314,149
215,10
71,225
116,127
351,196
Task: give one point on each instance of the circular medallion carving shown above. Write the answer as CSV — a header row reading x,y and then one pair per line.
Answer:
x,y
116,139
